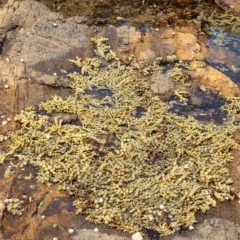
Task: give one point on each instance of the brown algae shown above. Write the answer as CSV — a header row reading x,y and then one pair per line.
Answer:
x,y
128,171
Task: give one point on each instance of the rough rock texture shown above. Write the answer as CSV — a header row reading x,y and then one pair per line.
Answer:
x,y
36,43
211,77
87,234
233,5
220,55
214,229
218,229
161,85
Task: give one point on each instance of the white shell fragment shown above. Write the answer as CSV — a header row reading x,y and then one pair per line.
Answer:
x,y
4,122
70,230
2,207
43,216
54,24
191,227
151,217
95,230
6,200
100,200
21,60
47,136
54,74
161,206
119,18
137,236
54,225
6,86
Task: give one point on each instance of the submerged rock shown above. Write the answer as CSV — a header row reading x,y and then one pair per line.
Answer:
x,y
161,85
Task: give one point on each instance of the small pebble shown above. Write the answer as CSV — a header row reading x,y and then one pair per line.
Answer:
x,y
43,216
70,230
137,236
191,227
21,60
54,225
54,74
119,18
9,119
100,200
151,218
55,238
161,206
7,59
47,136
40,204
95,229
4,122
6,86
54,24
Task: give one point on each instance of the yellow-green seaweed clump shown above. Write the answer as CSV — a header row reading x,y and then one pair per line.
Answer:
x,y
226,20
130,163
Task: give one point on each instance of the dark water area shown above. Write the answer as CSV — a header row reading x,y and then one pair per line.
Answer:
x,y
210,110
227,53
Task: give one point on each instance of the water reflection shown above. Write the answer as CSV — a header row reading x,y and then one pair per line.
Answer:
x,y
224,53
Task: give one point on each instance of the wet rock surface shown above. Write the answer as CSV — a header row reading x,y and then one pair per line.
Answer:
x,y
87,234
213,228
35,45
232,5
162,85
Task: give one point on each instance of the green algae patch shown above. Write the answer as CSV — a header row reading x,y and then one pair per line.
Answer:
x,y
130,162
